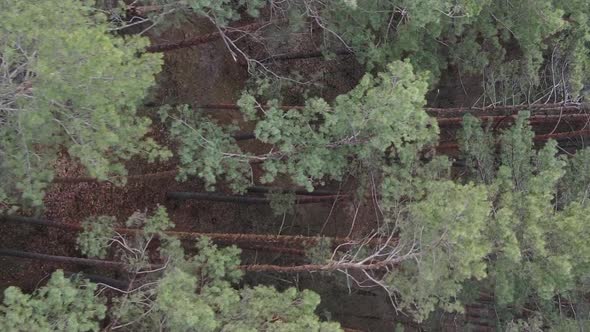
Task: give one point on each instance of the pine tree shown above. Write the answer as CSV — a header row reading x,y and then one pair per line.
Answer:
x,y
66,83
539,248
381,119
61,305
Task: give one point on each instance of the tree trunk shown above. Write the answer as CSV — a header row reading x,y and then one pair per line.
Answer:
x,y
509,109
264,189
215,197
62,259
166,174
243,136
239,239
120,284
302,55
249,268
235,107
380,265
537,138
147,176
533,120
541,112
569,134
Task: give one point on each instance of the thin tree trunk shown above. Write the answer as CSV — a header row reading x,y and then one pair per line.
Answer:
x,y
147,176
214,197
62,259
264,189
120,284
166,174
302,55
202,39
535,119
226,238
235,107
548,109
509,108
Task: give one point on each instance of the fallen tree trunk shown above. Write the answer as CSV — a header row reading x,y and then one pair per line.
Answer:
x,y
248,268
537,138
440,113
319,267
302,55
147,176
62,259
535,119
264,189
214,197
238,239
120,284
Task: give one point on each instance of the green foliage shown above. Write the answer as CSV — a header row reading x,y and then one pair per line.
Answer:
x,y
520,231
156,223
206,149
61,305
97,232
67,83
188,292
477,148
409,179
576,182
381,118
451,247
538,232
282,203
199,292
533,324
505,40
321,252
269,310
171,13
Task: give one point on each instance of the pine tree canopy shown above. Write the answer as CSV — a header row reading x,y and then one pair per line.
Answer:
x,y
381,118
66,83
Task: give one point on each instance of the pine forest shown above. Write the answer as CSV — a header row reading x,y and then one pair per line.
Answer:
x,y
294,165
